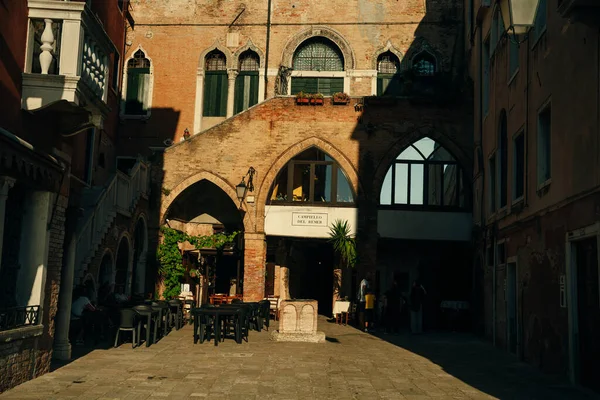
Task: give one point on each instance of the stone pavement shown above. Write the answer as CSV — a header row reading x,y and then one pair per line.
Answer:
x,y
349,365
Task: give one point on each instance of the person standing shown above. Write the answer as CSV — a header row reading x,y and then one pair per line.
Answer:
x,y
417,296
369,310
362,292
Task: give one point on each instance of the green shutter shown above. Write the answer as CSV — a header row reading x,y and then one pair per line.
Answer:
x,y
336,85
389,85
215,94
306,85
246,91
136,91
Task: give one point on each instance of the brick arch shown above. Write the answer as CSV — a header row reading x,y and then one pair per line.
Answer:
x,y
323,31
265,186
399,146
224,185
249,46
384,49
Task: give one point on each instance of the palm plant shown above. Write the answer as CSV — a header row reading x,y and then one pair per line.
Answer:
x,y
344,246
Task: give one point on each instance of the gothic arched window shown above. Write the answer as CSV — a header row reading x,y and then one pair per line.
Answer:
x,y
424,64
246,83
388,77
137,98
318,54
424,174
215,84
311,177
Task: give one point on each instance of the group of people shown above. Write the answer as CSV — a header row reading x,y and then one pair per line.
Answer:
x,y
391,307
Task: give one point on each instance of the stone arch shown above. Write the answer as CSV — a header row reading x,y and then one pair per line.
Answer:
x,y
223,49
265,185
111,259
223,184
400,145
388,47
290,47
420,45
250,46
125,237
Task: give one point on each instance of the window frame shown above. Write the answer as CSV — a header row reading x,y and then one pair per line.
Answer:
x,y
541,183
485,77
426,162
517,199
289,168
502,162
125,84
539,31
492,184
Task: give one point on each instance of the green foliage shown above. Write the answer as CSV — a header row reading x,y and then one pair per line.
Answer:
x,y
171,263
344,244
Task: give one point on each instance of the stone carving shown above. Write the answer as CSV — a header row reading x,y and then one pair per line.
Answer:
x,y
298,322
94,70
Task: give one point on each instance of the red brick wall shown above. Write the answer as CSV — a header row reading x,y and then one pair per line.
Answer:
x,y
255,252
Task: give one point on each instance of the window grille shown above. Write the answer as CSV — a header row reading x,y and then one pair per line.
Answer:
x,y
16,317
249,61
387,64
424,64
318,54
139,60
216,61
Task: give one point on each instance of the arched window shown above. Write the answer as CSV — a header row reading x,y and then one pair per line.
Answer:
x,y
318,54
503,160
425,174
215,85
312,177
424,64
137,99
388,78
246,83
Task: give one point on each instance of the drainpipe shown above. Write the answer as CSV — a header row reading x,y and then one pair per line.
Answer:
x,y
267,47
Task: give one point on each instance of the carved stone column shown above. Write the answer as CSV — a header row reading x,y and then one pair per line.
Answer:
x,y
6,184
231,75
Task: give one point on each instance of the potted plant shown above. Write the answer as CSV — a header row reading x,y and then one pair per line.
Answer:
x,y
344,247
340,98
316,98
302,98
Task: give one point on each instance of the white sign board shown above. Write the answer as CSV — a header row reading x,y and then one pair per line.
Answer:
x,y
309,219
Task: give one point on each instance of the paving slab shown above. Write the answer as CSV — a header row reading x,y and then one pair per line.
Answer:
x,y
349,365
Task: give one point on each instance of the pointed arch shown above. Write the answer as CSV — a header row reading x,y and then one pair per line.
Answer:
x,y
447,142
250,46
124,262
389,47
421,45
223,184
219,47
267,182
128,81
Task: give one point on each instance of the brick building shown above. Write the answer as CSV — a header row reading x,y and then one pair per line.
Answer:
x,y
66,202
210,93
536,201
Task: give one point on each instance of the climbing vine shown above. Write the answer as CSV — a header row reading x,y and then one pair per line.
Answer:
x,y
171,261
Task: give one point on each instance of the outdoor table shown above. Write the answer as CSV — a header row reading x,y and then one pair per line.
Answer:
x,y
216,313
176,307
150,314
163,312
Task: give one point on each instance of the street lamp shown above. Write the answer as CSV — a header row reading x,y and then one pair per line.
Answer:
x,y
519,15
241,189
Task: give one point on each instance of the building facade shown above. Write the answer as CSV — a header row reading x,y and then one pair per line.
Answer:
x,y
216,88
66,202
536,174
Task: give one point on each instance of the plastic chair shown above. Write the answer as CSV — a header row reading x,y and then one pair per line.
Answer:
x,y
128,323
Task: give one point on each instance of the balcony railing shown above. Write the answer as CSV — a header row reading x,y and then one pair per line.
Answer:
x,y
68,56
17,317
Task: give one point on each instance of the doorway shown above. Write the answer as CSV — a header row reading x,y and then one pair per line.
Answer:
x,y
588,311
511,307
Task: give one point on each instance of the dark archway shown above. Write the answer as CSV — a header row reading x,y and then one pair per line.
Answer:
x,y
122,266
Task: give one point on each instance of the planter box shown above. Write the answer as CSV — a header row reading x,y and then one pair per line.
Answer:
x,y
316,102
302,101
340,101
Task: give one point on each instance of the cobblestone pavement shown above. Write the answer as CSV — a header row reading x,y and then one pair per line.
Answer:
x,y
350,365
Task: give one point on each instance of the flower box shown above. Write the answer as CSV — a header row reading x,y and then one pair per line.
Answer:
x,y
340,98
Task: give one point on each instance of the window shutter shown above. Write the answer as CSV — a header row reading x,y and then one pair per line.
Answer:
x,y
336,85
136,99
306,85
215,94
239,93
253,90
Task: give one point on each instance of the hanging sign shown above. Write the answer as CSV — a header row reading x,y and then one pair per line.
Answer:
x,y
309,219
